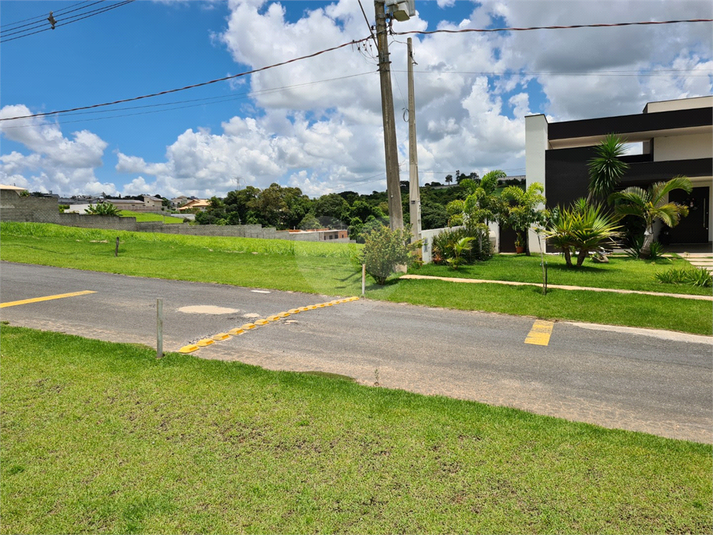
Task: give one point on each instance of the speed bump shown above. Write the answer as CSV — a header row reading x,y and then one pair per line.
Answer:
x,y
294,310
220,337
235,332
188,349
261,322
205,342
248,326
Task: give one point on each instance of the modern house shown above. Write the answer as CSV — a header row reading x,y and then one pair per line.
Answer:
x,y
675,138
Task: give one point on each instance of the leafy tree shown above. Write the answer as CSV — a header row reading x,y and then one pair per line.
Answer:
x,y
280,207
237,203
650,205
309,222
433,215
481,205
583,227
520,210
102,208
384,249
606,168
331,205
449,179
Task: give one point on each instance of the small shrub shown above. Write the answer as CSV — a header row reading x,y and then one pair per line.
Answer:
x,y
103,208
693,276
445,244
385,249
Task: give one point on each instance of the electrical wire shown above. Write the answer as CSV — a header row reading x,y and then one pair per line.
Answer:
x,y
185,88
190,103
43,17
367,21
64,22
568,27
662,72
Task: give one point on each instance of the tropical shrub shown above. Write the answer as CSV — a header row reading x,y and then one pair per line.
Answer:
x,y
459,248
444,245
580,229
102,208
694,276
384,249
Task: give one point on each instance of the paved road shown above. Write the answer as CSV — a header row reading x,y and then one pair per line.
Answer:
x,y
621,378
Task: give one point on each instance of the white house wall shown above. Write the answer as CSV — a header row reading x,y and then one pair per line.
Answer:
x,y
687,147
536,143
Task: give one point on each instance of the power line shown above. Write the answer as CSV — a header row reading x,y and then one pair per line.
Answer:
x,y
185,88
63,22
43,17
658,72
568,27
194,102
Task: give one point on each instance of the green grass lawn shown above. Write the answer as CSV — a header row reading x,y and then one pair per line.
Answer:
x,y
621,272
143,216
329,268
101,437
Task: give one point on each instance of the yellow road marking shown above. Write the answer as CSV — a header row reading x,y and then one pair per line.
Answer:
x,y
240,330
47,298
540,333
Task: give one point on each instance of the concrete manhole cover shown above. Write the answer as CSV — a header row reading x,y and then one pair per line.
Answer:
x,y
207,309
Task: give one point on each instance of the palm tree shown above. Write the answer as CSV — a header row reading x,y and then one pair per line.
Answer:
x,y
651,205
584,227
606,168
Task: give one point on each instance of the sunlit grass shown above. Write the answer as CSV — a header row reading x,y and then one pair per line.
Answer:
x,y
100,437
145,217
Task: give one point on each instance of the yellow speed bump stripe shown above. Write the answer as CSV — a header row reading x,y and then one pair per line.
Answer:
x,y
46,298
540,333
241,330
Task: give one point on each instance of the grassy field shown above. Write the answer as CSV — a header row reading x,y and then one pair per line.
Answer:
x,y
329,268
143,216
100,437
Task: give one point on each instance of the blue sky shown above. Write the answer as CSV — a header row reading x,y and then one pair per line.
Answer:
x,y
316,124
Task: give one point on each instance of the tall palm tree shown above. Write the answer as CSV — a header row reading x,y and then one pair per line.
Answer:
x,y
606,168
651,205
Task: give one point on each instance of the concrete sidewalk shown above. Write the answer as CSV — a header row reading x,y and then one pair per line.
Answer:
x,y
559,286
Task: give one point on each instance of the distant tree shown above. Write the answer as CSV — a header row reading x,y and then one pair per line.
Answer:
x,y
310,222
331,205
449,179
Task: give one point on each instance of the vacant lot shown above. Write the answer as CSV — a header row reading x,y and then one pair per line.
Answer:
x,y
102,437
331,269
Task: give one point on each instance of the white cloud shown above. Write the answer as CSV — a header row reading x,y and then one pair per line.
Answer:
x,y
56,163
315,125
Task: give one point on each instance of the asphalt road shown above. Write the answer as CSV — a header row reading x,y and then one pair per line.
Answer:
x,y
634,379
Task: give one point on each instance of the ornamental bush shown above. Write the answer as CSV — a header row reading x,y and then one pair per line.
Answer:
x,y
384,249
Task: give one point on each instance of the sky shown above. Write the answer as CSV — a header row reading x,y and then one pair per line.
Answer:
x,y
316,123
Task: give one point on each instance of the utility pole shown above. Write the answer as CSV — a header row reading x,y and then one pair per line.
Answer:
x,y
414,192
393,189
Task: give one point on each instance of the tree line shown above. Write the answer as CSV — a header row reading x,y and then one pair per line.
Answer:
x,y
289,208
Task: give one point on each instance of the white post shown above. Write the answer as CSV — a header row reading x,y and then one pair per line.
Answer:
x,y
536,145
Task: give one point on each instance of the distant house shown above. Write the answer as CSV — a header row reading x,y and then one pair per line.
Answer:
x,y
11,188
195,204
323,234
676,138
